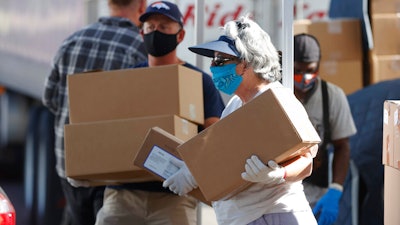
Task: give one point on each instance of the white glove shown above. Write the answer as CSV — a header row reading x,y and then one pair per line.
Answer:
x,y
181,182
257,171
78,183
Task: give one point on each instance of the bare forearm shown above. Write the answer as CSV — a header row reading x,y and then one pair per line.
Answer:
x,y
299,168
341,159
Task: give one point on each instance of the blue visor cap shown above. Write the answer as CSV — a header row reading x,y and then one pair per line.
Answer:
x,y
224,44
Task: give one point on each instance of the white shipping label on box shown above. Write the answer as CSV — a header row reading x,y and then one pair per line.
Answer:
x,y
159,162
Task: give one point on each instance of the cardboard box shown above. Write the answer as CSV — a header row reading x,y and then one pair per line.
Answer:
x,y
391,202
155,153
391,134
346,74
105,150
344,33
301,26
122,94
384,6
274,125
384,67
386,34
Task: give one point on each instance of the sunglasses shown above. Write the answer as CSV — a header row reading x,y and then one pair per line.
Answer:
x,y
220,61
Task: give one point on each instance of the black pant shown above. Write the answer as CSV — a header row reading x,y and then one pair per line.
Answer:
x,y
82,204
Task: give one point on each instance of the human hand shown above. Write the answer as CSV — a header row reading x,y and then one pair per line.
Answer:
x,y
181,182
78,183
328,207
257,171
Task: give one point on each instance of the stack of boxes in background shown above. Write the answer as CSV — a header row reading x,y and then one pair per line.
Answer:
x,y
385,56
391,160
112,111
341,50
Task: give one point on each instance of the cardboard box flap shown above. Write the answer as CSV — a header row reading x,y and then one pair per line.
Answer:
x,y
274,125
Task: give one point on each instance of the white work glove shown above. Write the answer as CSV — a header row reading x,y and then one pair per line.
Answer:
x,y
258,172
181,182
78,183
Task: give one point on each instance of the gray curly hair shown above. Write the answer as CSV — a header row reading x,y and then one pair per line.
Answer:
x,y
255,47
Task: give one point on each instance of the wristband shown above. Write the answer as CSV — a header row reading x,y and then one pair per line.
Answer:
x,y
336,186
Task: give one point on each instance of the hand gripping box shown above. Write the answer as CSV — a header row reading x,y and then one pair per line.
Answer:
x,y
122,94
155,153
103,151
273,125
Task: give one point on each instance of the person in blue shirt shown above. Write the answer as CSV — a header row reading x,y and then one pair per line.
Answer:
x,y
150,202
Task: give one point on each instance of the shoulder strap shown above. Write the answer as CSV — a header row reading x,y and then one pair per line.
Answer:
x,y
325,111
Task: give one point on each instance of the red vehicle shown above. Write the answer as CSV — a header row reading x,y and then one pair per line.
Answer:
x,y
7,212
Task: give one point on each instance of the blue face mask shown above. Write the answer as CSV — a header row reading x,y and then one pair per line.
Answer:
x,y
225,78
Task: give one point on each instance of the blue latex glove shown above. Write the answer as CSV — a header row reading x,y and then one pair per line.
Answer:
x,y
327,208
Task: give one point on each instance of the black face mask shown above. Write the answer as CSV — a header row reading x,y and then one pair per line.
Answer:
x,y
159,44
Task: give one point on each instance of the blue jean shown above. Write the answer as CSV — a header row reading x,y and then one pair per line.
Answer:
x,y
297,218
82,204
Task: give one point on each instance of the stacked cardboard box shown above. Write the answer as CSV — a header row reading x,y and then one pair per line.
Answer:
x,y
391,160
341,50
111,112
384,58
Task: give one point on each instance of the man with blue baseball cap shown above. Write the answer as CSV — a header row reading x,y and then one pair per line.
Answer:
x,y
149,202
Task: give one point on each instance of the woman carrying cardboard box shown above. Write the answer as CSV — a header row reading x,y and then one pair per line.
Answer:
x,y
245,63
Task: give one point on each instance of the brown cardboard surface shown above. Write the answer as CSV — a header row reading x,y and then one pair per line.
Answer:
x,y
340,39
391,134
384,6
166,145
301,26
346,74
391,202
274,125
384,67
105,150
386,34
121,94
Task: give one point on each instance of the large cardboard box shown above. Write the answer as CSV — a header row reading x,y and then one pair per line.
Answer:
x,y
301,26
155,156
121,94
105,150
274,125
340,39
391,134
391,202
384,6
386,34
346,74
384,67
